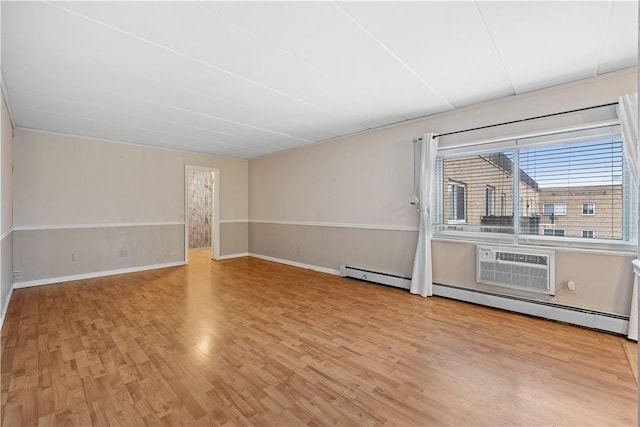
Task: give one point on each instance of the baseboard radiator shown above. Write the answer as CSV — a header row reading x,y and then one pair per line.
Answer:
x,y
617,324
375,277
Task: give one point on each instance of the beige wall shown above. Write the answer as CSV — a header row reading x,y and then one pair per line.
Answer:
x,y
69,181
45,254
6,196
367,179
63,180
603,282
328,247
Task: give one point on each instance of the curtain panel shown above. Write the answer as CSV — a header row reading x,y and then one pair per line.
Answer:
x,y
421,279
628,116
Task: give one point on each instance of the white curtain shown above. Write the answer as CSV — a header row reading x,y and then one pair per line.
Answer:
x,y
628,115
421,279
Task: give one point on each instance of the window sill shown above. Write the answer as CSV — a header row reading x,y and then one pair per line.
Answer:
x,y
606,247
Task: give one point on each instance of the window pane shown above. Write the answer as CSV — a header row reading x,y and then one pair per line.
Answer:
x,y
490,200
588,208
471,185
460,203
571,179
573,185
457,202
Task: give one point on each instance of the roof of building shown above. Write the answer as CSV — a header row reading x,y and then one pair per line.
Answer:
x,y
505,163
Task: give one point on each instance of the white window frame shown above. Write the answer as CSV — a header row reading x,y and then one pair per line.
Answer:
x,y
564,208
628,244
593,234
454,205
593,210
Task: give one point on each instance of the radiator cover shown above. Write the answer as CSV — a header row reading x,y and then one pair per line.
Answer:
x,y
375,277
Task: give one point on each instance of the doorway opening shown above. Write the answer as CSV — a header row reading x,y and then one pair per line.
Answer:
x,y
201,213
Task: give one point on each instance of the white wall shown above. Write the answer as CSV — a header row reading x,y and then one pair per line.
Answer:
x,y
79,202
346,201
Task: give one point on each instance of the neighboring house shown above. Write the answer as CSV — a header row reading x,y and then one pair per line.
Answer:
x,y
478,192
593,211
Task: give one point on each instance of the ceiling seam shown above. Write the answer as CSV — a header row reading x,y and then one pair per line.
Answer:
x,y
174,88
135,144
207,97
495,48
281,49
605,31
137,128
189,57
224,134
234,122
395,56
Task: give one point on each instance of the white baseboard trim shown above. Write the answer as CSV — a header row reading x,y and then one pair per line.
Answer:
x,y
297,264
60,279
5,307
231,256
582,317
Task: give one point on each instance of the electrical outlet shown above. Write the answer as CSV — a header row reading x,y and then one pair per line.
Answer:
x,y
75,257
17,275
124,252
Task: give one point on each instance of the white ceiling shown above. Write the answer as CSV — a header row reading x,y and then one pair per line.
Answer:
x,y
245,79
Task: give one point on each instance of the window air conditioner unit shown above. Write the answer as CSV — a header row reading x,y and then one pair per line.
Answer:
x,y
516,268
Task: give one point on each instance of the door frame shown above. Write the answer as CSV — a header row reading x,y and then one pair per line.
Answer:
x,y
215,200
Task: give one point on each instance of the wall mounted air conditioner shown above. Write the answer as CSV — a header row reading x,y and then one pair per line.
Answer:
x,y
516,268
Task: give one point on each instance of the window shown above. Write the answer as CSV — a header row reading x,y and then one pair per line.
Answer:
x,y
539,186
573,175
588,209
555,208
588,234
490,195
456,193
467,197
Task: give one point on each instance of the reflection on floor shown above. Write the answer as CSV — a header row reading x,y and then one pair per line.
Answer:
x,y
250,342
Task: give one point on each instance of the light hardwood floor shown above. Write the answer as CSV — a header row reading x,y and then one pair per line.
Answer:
x,y
249,342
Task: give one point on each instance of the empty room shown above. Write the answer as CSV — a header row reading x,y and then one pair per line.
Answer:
x,y
319,213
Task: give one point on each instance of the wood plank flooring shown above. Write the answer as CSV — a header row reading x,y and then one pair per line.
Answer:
x,y
249,342
631,351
